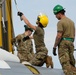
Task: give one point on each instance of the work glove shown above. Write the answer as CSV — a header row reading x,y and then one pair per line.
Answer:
x,y
26,38
20,14
54,51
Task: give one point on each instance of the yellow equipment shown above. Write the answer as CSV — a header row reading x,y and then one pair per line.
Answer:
x,y
6,26
32,69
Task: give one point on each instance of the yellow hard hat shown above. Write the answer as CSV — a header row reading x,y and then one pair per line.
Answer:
x,y
43,19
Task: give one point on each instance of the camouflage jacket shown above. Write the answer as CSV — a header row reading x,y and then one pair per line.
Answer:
x,y
23,45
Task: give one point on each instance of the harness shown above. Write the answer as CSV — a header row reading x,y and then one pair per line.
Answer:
x,y
69,39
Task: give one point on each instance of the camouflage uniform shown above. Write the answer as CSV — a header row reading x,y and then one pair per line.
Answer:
x,y
41,50
25,48
66,47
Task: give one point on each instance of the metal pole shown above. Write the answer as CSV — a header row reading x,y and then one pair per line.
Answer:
x,y
4,16
5,27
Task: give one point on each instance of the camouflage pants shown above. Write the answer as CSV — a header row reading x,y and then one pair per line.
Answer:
x,y
40,56
65,52
24,56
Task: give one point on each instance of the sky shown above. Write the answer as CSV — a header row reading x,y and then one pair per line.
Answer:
x,y
32,8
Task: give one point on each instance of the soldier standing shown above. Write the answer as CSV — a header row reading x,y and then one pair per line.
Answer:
x,y
24,47
38,36
64,40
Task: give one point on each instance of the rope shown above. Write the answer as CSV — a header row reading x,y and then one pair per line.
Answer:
x,y
16,4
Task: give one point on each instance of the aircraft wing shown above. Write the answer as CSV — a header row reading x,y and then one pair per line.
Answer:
x,y
17,68
10,65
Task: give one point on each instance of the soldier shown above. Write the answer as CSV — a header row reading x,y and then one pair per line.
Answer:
x,y
24,47
64,40
38,36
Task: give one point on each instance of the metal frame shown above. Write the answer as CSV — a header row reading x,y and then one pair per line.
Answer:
x,y
1,2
